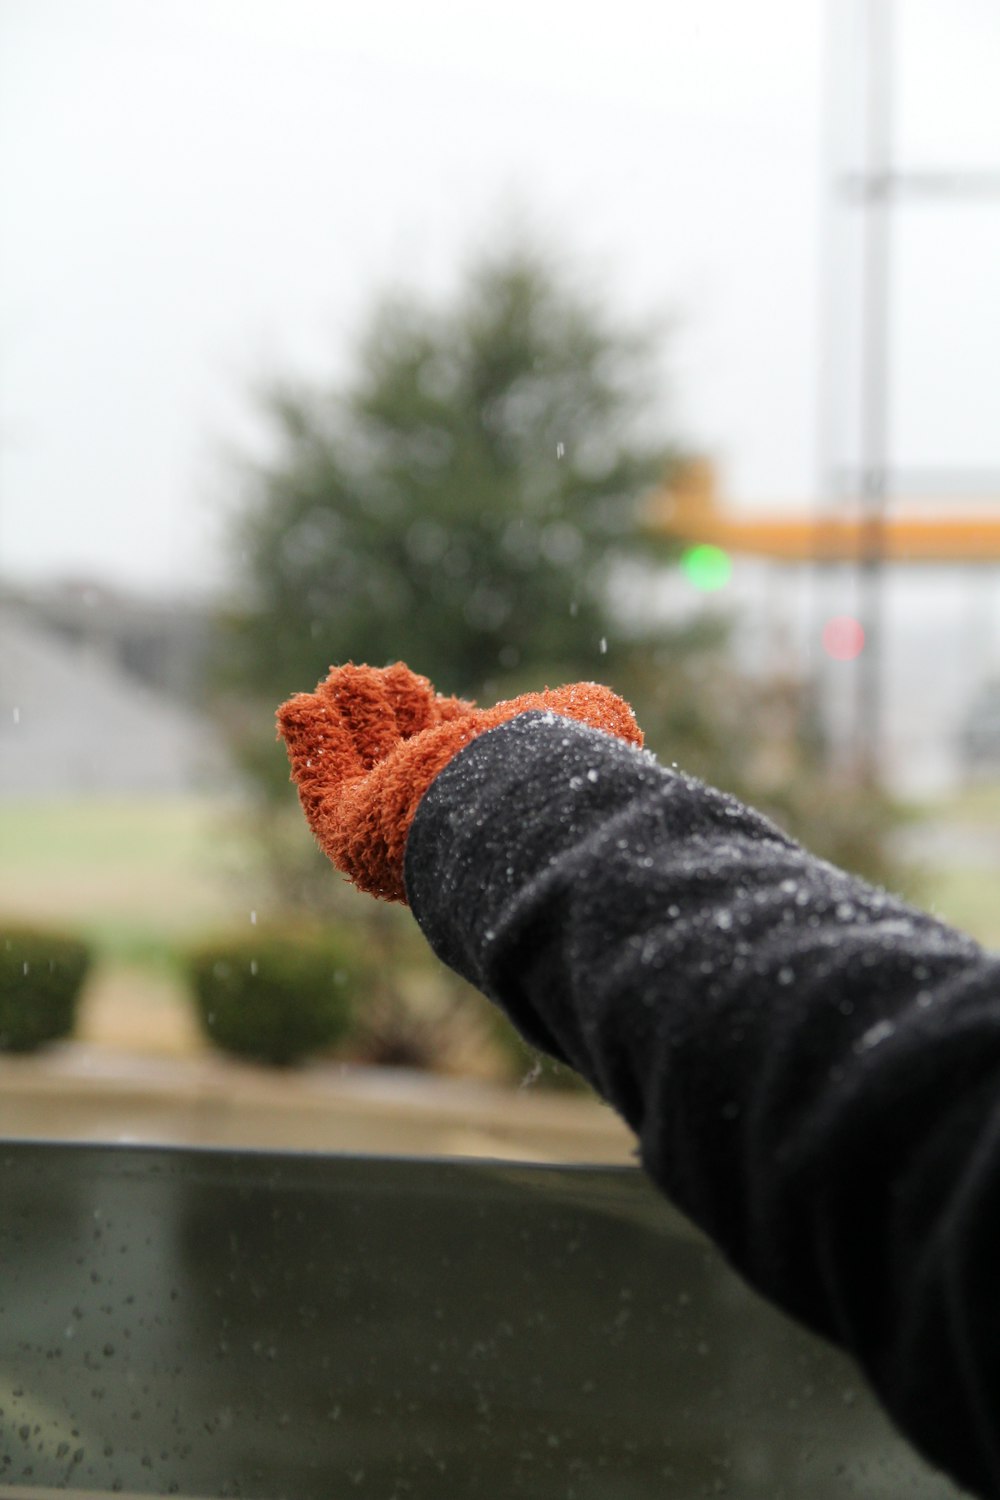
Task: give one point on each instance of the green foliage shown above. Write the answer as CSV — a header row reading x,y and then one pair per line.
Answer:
x,y
276,998
41,975
461,502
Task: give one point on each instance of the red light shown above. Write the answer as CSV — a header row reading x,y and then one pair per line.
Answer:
x,y
843,638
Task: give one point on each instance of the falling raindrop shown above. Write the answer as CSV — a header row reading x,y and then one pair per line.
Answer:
x,y
532,1076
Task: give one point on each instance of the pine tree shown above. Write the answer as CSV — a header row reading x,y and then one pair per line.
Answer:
x,y
461,503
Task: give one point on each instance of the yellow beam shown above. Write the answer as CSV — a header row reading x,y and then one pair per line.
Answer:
x,y
688,512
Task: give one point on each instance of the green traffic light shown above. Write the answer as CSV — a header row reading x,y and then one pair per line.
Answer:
x,y
707,567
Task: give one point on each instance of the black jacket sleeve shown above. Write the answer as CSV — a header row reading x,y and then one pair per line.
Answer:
x,y
811,1067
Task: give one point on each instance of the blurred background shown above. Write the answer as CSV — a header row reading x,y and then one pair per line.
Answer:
x,y
658,345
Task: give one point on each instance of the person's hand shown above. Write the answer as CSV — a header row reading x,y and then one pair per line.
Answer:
x,y
366,745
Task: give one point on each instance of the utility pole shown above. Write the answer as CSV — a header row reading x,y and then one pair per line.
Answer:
x,y
874,191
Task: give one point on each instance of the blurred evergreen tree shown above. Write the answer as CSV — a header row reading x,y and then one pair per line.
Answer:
x,y
461,504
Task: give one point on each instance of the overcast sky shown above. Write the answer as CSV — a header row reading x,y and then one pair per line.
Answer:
x,y
196,192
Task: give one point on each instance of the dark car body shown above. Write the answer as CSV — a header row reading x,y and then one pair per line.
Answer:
x,y
203,1322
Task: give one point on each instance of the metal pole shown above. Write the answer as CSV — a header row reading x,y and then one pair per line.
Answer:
x,y
873,187
826,446
874,387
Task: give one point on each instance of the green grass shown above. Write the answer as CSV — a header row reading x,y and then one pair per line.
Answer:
x,y
977,804
968,899
166,833
960,890
135,876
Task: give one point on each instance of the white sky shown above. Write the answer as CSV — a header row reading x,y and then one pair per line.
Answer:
x,y
196,192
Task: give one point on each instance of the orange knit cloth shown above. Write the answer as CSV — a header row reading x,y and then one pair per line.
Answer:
x,y
366,745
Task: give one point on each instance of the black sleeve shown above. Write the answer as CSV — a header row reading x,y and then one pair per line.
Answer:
x,y
811,1067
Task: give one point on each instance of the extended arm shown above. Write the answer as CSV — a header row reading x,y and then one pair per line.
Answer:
x,y
811,1067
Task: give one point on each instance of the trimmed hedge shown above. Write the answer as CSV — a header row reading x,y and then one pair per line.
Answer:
x,y
275,998
41,975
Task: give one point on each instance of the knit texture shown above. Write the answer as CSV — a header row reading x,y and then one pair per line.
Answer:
x,y
366,745
811,1067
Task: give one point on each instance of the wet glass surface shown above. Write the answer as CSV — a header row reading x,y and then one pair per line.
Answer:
x,y
249,1324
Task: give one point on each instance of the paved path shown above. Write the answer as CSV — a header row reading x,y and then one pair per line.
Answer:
x,y
79,1091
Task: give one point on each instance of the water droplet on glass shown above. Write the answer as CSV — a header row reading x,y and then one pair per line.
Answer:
x,y
874,1035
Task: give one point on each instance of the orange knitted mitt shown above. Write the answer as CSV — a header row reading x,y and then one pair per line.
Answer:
x,y
366,745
